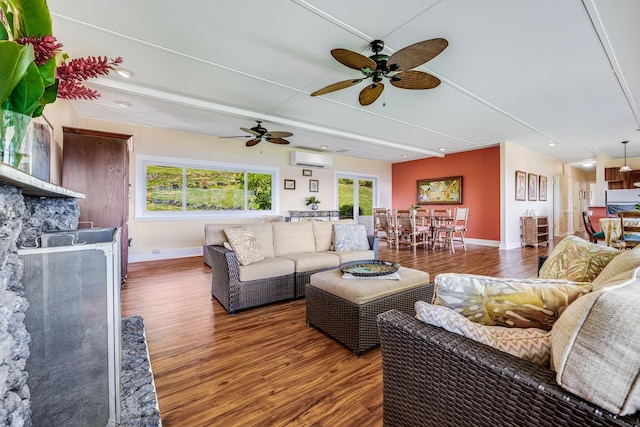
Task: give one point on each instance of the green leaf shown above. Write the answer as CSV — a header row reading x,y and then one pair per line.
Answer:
x,y
26,96
34,16
16,59
48,72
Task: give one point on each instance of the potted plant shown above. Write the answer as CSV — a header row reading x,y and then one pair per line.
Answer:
x,y
314,202
34,72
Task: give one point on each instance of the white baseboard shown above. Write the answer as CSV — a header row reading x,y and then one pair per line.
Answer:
x,y
166,254
482,242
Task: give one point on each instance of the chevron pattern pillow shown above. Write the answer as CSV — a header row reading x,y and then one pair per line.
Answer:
x,y
529,344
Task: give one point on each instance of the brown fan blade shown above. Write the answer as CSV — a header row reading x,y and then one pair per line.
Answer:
x,y
277,140
251,131
414,79
252,142
369,94
416,54
336,86
277,134
353,59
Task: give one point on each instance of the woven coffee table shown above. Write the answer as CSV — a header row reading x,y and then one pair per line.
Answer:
x,y
346,309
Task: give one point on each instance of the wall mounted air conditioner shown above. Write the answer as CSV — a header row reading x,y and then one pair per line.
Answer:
x,y
310,160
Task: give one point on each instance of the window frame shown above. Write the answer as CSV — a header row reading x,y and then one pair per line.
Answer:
x,y
140,201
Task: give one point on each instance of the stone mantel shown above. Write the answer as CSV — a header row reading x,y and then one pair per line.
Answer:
x,y
32,186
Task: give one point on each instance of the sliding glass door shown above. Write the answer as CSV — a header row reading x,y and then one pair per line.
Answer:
x,y
356,198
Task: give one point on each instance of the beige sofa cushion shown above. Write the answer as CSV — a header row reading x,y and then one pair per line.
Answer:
x,y
493,301
347,256
214,233
526,343
268,267
322,232
293,238
313,261
595,346
264,237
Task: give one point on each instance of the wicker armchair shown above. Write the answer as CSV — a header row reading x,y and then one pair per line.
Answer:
x,y
432,377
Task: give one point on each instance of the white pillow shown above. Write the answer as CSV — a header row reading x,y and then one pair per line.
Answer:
x,y
595,347
526,343
243,242
350,237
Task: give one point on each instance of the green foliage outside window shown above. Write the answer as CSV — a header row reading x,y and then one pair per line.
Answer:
x,y
173,188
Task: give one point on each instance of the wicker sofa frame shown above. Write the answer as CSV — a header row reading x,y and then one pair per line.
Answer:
x,y
432,377
235,295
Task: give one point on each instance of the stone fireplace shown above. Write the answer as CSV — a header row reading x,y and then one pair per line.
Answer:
x,y
28,207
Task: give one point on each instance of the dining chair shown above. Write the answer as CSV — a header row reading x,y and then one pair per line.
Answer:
x,y
442,224
630,229
384,227
460,216
594,235
408,231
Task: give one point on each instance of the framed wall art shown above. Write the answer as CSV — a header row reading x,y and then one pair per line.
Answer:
x,y
533,186
440,191
289,184
314,185
542,189
521,185
307,172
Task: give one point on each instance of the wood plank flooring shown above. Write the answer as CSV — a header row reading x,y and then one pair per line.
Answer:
x,y
265,366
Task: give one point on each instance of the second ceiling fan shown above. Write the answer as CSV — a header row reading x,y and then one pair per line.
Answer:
x,y
397,68
259,132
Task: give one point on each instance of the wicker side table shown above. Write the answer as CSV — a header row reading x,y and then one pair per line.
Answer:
x,y
346,309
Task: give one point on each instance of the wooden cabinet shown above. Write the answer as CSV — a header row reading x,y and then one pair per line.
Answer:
x,y
534,230
612,174
97,164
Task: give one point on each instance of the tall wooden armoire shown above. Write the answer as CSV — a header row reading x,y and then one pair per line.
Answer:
x,y
97,164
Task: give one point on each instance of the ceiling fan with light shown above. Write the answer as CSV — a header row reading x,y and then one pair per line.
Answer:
x,y
397,68
258,133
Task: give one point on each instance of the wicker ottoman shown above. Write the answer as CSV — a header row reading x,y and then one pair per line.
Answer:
x,y
346,309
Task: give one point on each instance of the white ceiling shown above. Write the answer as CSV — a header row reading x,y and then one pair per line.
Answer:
x,y
530,72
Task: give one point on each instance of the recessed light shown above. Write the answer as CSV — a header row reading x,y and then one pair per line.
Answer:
x,y
324,147
124,73
123,104
442,149
551,144
587,165
404,156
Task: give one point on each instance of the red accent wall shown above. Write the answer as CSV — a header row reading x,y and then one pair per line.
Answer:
x,y
480,171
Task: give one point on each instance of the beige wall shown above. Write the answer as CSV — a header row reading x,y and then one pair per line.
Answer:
x,y
168,239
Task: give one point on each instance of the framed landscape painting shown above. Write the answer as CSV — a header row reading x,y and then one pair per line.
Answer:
x,y
521,185
440,191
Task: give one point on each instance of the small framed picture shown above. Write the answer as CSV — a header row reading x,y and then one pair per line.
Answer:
x,y
533,186
542,189
289,184
313,185
521,185
306,172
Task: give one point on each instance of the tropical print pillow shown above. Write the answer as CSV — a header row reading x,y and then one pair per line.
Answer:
x,y
520,303
577,260
529,344
350,237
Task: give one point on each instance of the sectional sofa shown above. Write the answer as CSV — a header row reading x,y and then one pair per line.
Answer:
x,y
267,262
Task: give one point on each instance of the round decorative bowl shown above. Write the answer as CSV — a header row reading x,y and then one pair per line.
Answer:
x,y
369,268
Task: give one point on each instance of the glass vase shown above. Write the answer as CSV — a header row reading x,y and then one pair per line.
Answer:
x,y
13,129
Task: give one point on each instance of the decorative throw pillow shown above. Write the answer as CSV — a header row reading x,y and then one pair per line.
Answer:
x,y
577,260
529,344
350,237
626,262
595,346
243,242
521,303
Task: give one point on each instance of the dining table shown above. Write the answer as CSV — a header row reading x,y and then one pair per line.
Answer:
x,y
611,227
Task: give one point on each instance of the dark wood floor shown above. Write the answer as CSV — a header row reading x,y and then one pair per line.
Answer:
x,y
265,366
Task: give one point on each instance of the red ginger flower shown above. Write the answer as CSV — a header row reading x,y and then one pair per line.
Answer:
x,y
70,75
44,48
